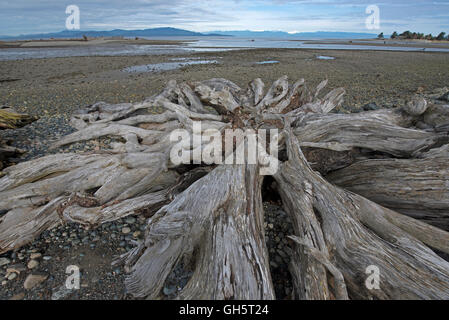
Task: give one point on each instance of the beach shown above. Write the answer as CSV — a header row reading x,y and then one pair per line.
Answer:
x,y
53,88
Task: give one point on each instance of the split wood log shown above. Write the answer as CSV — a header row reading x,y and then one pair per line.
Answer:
x,y
210,216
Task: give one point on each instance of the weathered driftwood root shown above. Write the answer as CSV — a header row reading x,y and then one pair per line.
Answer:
x,y
211,218
416,187
218,223
9,119
352,233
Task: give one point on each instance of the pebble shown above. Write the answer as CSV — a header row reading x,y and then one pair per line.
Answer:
x,y
126,230
17,268
130,220
32,264
4,261
136,234
370,107
18,296
47,258
34,280
34,256
12,276
169,290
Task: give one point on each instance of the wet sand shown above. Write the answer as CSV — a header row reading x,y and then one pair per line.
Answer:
x,y
62,43
383,43
60,85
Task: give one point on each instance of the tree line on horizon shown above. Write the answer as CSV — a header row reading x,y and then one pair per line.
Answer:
x,y
415,35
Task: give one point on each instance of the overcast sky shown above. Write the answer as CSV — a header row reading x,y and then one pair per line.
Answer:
x,y
38,16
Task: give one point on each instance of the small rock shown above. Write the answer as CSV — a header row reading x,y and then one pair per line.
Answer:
x,y
130,220
34,280
32,264
16,268
34,256
12,276
136,234
4,261
46,258
169,290
4,282
370,107
18,296
126,230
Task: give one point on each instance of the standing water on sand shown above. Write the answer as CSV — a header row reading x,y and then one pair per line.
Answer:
x,y
165,66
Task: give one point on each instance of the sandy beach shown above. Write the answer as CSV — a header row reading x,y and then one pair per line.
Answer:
x,y
60,85
54,88
56,43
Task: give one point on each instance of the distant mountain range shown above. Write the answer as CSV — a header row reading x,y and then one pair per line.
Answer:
x,y
174,32
297,35
67,34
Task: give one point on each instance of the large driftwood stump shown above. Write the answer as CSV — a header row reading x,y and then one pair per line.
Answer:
x,y
340,193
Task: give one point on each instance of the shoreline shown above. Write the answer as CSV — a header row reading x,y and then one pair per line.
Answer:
x,y
183,44
388,43
65,43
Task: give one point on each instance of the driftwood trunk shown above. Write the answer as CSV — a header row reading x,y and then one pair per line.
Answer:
x,y
361,194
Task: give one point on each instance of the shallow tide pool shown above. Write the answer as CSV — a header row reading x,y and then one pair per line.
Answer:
x,y
166,66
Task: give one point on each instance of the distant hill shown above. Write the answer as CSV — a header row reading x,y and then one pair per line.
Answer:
x,y
174,32
155,32
299,35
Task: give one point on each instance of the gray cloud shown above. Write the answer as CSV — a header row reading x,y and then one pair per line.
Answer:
x,y
30,16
